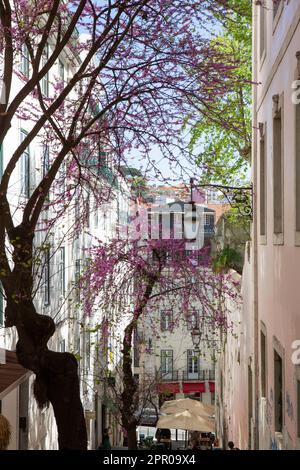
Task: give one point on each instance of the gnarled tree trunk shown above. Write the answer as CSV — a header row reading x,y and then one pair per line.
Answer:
x,y
57,380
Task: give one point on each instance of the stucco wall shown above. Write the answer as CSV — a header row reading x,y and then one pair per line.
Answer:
x,y
279,265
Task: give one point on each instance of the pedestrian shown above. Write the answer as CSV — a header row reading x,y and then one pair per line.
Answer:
x,y
106,445
195,445
231,446
5,432
194,441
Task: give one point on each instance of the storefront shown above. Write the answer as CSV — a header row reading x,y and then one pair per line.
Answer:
x,y
14,398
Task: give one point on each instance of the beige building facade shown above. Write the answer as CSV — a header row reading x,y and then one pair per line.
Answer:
x,y
271,367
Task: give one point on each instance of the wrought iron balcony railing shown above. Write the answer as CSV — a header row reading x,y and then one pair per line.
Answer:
x,y
189,376
171,376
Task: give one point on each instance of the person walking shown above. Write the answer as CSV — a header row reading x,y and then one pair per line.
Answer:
x,y
231,446
106,445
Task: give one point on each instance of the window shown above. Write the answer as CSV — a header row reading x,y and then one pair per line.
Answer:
x,y
61,271
24,66
212,398
166,361
136,350
96,211
87,210
45,79
277,165
209,219
193,320
213,196
47,277
262,29
62,346
45,160
77,207
87,349
263,364
192,362
77,278
298,408
154,226
103,157
25,167
178,225
166,320
262,178
61,71
278,392
78,352
159,226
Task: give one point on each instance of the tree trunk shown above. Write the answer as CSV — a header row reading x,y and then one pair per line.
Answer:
x,y
132,441
57,380
130,403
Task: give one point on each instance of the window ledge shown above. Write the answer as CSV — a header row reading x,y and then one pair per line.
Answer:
x,y
263,239
278,239
297,238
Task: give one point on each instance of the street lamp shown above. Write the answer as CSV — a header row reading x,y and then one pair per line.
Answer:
x,y
205,334
240,198
196,338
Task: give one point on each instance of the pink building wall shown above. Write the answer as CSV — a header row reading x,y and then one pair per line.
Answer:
x,y
278,259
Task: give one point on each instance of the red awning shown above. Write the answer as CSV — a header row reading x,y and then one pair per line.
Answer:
x,y
169,388
12,373
212,386
198,387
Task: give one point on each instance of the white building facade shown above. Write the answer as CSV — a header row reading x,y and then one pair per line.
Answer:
x,y
63,262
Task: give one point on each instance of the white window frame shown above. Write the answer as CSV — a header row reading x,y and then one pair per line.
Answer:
x,y
45,85
278,196
166,361
166,318
193,364
25,166
62,270
25,61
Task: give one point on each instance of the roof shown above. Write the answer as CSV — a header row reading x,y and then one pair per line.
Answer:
x,y
178,206
12,374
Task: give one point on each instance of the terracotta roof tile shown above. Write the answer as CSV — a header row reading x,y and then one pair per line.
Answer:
x,y
11,373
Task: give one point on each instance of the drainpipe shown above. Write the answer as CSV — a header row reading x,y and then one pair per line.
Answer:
x,y
255,231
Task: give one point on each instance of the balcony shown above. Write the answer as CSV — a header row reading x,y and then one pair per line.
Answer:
x,y
171,376
190,376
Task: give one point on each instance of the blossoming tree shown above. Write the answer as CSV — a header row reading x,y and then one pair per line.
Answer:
x,y
137,68
129,280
